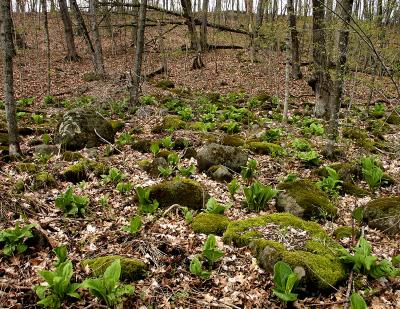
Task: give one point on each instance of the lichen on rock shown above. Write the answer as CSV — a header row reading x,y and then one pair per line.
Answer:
x,y
208,223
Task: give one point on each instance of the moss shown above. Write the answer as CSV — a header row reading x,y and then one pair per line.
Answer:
x,y
384,214
318,257
143,164
265,148
92,77
387,180
143,145
43,180
182,191
312,201
232,140
207,223
19,186
354,190
131,269
81,170
164,153
165,84
348,171
71,156
29,168
173,123
393,118
116,125
345,232
360,138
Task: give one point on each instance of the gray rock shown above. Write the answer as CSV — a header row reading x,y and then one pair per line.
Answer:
x,y
215,154
220,173
384,214
45,149
78,128
152,168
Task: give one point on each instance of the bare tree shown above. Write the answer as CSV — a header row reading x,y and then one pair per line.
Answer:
x,y
203,29
137,71
188,15
72,55
8,80
98,51
294,41
47,38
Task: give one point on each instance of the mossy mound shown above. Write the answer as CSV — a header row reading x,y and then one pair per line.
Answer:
x,y
360,138
345,232
81,170
207,223
384,214
220,173
152,167
71,156
305,200
393,118
172,122
164,153
92,77
265,148
143,145
284,237
43,180
131,269
29,168
349,171
354,190
182,191
165,84
19,186
232,140
116,125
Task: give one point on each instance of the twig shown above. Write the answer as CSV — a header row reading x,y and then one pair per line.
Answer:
x,y
106,141
349,285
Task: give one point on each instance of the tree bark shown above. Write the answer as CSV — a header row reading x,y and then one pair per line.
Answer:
x,y
47,38
294,41
188,15
8,80
134,93
72,55
203,28
82,27
98,51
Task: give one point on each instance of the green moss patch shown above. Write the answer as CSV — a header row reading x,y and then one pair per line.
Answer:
x,y
232,140
29,168
71,156
81,170
207,223
265,148
43,180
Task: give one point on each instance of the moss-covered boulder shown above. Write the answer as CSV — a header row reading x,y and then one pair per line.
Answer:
x,y
360,138
352,189
71,156
81,170
384,214
131,269
393,118
152,167
165,84
116,125
284,237
80,128
232,140
182,191
348,171
43,180
345,232
215,154
45,150
207,223
170,123
303,199
143,145
29,168
265,148
220,173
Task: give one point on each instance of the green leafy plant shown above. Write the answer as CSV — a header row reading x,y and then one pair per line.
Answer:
x,y
257,196
196,268
49,100
186,171
2,104
253,102
14,239
72,204
186,113
24,102
231,127
154,148
310,157
114,176
145,204
365,263
148,100
165,171
173,159
249,171
134,225
46,138
173,104
210,251
272,134
214,207
108,286
44,158
124,187
124,138
103,200
58,286
37,118
233,187
285,280
291,177
357,302
371,172
167,142
378,110
330,184
188,214
61,253
314,129
301,144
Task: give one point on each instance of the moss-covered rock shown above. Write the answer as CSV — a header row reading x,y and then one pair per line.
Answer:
x,y
152,167
284,237
19,186
207,223
232,140
215,154
29,168
143,145
393,118
45,150
348,172
71,156
116,125
172,122
164,153
352,189
131,269
360,138
165,84
43,180
182,191
81,170
384,214
220,173
265,148
304,199
345,232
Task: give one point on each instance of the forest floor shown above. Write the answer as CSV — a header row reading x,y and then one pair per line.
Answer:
x,y
166,242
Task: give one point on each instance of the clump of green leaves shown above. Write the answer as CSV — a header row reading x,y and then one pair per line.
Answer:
x,y
186,113
188,214
210,251
186,171
231,127
46,139
146,205
148,100
134,225
37,118
357,302
71,203
365,263
272,134
165,171
124,139
167,142
214,207
314,129
124,187
103,200
14,239
371,172
330,184
154,148
291,177
61,253
196,268
301,144
233,187
285,280
58,286
257,196
309,157
249,171
24,102
378,110
108,287
114,176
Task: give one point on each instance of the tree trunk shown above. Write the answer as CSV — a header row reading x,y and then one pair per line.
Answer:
x,y
294,41
338,80
47,38
72,55
135,22
8,80
134,93
203,29
52,6
321,75
187,14
98,52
